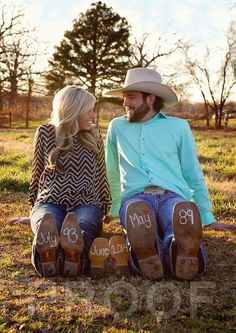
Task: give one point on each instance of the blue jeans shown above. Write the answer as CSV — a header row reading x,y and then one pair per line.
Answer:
x,y
90,217
161,206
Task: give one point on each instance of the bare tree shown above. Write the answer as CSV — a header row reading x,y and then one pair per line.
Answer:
x,y
10,21
193,70
19,56
143,57
231,40
9,24
215,86
30,82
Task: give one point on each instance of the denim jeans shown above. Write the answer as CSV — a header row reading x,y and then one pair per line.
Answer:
x,y
90,217
161,206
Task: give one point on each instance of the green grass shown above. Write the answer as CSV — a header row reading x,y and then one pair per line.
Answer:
x,y
33,304
15,160
217,155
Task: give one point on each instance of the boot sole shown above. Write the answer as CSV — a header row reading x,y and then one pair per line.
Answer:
x,y
72,243
47,241
120,253
98,254
141,229
187,229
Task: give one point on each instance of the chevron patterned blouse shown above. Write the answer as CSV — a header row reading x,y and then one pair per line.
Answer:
x,y
84,180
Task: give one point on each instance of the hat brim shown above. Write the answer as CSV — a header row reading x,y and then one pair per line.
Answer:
x,y
152,88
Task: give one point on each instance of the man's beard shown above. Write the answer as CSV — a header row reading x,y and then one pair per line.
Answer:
x,y
139,113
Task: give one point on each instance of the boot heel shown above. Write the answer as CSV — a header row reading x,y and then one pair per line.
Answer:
x,y
47,241
98,254
120,253
142,230
72,243
188,236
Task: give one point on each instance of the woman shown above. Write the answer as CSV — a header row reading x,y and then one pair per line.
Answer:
x,y
69,192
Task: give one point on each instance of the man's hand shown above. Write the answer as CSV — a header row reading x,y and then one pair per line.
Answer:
x,y
220,226
20,220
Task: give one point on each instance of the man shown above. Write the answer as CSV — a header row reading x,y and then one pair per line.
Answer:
x,y
156,181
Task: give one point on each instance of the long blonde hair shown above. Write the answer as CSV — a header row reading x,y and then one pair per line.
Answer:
x,y
68,104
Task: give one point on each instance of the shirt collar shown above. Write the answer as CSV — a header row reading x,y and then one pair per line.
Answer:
x,y
160,115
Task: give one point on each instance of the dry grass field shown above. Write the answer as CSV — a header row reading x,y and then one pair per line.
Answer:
x,y
33,304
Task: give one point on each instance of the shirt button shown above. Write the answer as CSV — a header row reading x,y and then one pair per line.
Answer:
x,y
143,154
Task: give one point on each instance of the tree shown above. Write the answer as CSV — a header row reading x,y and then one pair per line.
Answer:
x,y
9,26
161,51
143,57
215,86
231,41
19,55
9,22
94,53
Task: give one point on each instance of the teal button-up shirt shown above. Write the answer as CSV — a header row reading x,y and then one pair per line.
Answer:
x,y
160,152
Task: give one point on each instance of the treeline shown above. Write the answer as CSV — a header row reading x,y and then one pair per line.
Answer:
x,y
96,54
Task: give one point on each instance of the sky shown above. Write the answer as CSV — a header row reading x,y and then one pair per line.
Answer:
x,y
203,22
198,20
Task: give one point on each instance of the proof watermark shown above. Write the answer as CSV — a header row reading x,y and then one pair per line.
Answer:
x,y
162,300
122,297
168,295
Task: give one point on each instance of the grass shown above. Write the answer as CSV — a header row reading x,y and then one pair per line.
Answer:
x,y
33,304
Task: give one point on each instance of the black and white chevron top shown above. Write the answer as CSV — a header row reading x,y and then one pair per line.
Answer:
x,y
83,180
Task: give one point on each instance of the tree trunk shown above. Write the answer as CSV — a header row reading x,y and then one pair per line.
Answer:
x,y
13,93
30,84
27,109
221,114
1,101
207,115
218,122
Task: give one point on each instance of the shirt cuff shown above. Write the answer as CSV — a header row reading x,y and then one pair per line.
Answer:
x,y
207,218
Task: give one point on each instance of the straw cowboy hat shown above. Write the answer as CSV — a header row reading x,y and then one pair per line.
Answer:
x,y
145,80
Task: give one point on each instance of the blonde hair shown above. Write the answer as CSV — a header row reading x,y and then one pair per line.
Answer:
x,y
68,104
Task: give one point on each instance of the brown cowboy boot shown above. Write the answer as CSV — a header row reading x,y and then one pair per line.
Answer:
x,y
98,254
141,229
47,241
72,243
187,229
120,253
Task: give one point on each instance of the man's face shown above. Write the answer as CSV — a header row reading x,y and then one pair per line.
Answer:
x,y
136,107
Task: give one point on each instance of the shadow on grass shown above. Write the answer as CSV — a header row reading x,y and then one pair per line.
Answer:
x,y
5,163
112,304
14,185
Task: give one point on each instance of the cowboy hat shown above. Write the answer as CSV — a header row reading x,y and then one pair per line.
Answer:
x,y
145,80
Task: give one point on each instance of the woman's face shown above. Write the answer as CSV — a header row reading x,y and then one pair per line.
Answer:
x,y
85,121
